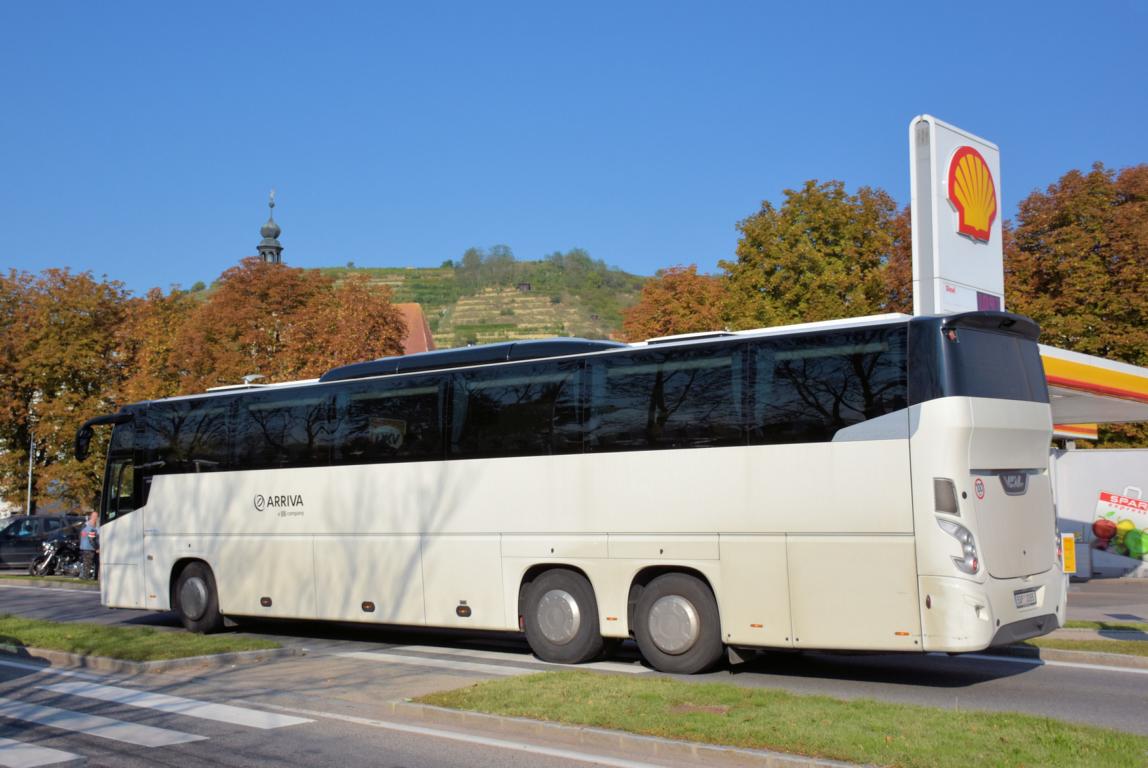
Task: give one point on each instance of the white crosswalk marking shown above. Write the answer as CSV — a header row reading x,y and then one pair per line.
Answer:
x,y
522,658
417,661
94,725
15,754
223,713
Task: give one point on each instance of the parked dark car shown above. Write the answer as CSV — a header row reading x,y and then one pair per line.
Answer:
x,y
22,537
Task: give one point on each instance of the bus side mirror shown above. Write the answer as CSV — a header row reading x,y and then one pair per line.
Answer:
x,y
83,441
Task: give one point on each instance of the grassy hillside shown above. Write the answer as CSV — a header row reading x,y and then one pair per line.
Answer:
x,y
560,296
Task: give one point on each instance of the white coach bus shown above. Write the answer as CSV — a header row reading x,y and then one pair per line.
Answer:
x,y
878,484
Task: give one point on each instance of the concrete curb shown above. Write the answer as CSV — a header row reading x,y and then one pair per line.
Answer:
x,y
120,666
632,745
1116,660
81,586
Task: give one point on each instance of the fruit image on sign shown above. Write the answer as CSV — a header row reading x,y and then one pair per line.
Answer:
x,y
1121,525
973,193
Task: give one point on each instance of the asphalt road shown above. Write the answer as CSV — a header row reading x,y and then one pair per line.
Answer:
x,y
348,671
1109,600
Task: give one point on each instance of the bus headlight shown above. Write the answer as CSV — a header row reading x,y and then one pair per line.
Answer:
x,y
969,562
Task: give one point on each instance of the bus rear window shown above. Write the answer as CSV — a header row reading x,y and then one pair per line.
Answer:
x,y
984,363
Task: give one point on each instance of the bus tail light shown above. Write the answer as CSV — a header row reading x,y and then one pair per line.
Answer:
x,y
945,496
970,561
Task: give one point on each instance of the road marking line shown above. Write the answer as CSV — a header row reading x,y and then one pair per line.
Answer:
x,y
94,725
15,754
419,661
1054,663
522,658
223,713
47,670
485,741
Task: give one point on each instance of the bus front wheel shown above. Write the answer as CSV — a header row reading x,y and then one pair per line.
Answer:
x,y
561,618
677,626
196,600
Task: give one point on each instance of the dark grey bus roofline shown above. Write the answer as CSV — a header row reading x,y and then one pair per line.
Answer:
x,y
520,351
987,320
516,351
511,351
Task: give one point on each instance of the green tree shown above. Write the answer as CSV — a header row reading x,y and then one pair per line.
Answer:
x,y
821,255
1076,261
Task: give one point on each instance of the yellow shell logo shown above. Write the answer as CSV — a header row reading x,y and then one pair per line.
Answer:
x,y
973,193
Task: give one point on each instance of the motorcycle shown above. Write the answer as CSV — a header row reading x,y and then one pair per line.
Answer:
x,y
62,556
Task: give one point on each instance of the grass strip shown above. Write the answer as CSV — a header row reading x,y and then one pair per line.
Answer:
x,y
127,643
863,730
1121,626
1099,645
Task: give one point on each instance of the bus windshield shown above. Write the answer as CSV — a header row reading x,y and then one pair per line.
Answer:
x,y
984,363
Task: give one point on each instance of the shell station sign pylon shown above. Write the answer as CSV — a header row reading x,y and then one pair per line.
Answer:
x,y
958,261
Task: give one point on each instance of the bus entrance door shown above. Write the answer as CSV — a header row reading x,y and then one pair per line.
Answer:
x,y
121,537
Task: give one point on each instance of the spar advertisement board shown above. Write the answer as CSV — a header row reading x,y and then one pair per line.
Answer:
x,y
1103,497
1121,525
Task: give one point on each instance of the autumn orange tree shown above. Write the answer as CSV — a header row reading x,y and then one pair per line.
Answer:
x,y
58,366
282,323
897,272
1076,261
73,347
675,300
147,338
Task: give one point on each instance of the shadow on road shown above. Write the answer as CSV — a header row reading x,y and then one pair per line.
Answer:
x,y
933,671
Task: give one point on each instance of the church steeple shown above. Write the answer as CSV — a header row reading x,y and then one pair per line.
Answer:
x,y
269,248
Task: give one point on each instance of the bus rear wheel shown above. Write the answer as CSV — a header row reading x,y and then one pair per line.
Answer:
x,y
561,617
677,625
196,600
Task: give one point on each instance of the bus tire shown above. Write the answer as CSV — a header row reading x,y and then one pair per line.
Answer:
x,y
677,625
196,600
561,618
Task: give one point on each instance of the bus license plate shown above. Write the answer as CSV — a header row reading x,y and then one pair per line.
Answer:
x,y
1025,599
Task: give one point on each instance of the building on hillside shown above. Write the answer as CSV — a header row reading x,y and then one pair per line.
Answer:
x,y
269,248
418,338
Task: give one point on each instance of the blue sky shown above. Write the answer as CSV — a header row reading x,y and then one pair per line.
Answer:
x,y
139,139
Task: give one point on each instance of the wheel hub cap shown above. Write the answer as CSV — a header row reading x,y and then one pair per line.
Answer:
x,y
193,598
674,624
558,616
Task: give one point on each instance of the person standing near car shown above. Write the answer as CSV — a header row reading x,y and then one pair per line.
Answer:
x,y
90,545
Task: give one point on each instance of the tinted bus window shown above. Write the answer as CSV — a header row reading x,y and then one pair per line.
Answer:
x,y
992,364
806,388
119,493
390,420
290,428
521,410
186,436
673,398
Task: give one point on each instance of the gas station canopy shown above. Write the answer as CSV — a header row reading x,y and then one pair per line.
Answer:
x,y
1086,390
